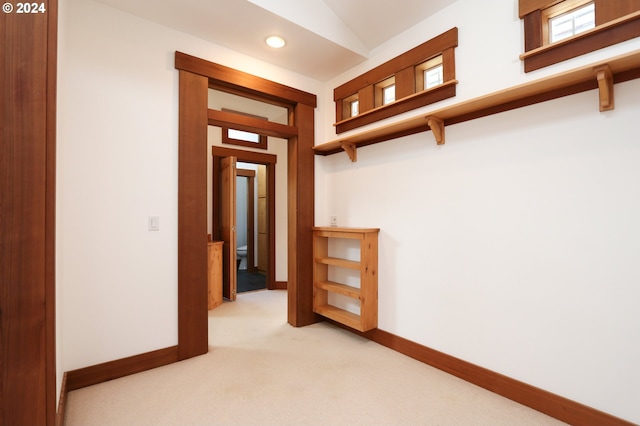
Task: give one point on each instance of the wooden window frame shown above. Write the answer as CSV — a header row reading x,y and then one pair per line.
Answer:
x,y
347,105
615,23
226,139
403,69
557,10
425,66
380,88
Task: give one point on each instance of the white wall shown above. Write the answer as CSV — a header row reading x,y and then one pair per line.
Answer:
x,y
117,164
515,245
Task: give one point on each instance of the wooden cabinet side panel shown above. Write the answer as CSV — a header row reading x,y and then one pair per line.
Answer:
x,y
320,271
369,281
214,251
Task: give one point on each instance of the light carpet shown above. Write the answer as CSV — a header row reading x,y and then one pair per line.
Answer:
x,y
261,371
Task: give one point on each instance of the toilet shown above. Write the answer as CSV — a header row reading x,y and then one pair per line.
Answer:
x,y
241,253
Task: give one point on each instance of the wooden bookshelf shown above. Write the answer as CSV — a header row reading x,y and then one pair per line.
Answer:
x,y
366,294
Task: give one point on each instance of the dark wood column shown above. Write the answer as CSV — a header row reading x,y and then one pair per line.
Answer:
x,y
301,218
27,219
192,217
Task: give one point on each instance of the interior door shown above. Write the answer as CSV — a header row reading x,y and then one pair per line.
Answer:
x,y
228,226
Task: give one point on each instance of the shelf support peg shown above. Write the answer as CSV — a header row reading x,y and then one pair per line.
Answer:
x,y
605,87
350,149
437,128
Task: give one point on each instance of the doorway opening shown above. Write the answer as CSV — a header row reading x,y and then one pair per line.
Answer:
x,y
251,223
242,191
196,76
224,201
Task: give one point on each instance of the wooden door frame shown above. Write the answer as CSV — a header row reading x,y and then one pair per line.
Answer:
x,y
251,218
195,78
27,211
268,160
228,226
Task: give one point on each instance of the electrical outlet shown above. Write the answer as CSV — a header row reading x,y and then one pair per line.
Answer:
x,y
333,220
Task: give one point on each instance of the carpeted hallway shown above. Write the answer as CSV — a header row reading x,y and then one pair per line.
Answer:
x,y
261,371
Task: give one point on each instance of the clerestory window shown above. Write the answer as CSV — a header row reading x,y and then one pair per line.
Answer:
x,y
555,31
561,24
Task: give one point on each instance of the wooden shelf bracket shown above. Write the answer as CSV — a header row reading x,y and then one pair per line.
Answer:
x,y
350,149
605,87
437,127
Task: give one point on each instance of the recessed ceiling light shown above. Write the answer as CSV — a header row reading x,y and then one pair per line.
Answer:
x,y
275,41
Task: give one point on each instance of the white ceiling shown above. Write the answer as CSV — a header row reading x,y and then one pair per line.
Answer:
x,y
324,37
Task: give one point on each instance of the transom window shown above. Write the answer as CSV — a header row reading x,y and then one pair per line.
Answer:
x,y
241,137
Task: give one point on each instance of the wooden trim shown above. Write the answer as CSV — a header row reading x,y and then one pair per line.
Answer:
x,y
405,82
27,217
88,376
625,67
400,70
250,124
604,35
280,285
262,139
246,173
410,58
192,138
50,210
532,30
244,156
408,103
250,175
271,211
242,82
546,402
62,403
525,7
607,10
192,217
301,219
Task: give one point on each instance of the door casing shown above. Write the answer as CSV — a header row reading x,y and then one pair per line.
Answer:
x,y
269,160
228,226
196,76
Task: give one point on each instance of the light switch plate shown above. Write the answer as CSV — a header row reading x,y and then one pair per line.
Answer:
x,y
154,223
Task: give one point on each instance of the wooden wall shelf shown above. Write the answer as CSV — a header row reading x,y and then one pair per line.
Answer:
x,y
366,295
601,75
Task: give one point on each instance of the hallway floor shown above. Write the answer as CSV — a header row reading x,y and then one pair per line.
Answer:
x,y
261,371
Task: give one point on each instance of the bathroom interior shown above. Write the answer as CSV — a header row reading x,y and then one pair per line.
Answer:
x,y
251,229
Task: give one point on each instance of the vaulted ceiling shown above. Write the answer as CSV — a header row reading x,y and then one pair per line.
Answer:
x,y
324,37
